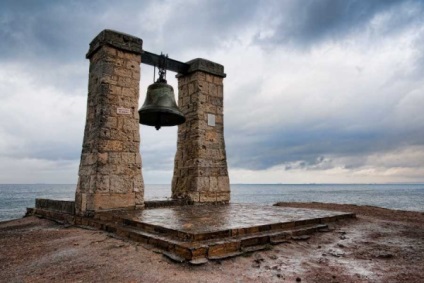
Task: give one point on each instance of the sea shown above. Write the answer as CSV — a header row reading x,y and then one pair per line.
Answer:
x,y
15,198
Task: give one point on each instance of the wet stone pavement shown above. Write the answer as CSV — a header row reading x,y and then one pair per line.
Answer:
x,y
197,219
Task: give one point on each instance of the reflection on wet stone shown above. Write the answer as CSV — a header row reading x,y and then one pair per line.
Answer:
x,y
205,218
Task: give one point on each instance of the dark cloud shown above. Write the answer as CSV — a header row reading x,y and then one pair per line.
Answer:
x,y
42,29
55,29
62,30
375,128
306,23
279,146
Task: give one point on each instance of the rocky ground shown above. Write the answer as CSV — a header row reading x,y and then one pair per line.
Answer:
x,y
381,245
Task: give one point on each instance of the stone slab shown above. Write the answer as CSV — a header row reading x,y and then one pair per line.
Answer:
x,y
118,40
203,222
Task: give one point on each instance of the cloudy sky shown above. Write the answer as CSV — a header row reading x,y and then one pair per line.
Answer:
x,y
328,91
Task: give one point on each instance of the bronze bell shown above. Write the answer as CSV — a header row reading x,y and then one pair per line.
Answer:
x,y
159,108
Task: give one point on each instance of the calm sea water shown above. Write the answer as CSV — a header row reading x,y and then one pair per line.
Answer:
x,y
15,198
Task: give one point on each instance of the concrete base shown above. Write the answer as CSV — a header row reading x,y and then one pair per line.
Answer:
x,y
198,233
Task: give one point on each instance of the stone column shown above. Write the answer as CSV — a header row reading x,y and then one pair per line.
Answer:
x,y
110,168
200,170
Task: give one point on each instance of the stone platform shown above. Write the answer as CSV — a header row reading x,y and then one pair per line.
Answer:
x,y
198,233
202,222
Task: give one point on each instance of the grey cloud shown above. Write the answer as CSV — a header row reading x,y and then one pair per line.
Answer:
x,y
419,52
373,128
55,151
158,148
61,31
38,29
305,23
279,145
215,22
46,29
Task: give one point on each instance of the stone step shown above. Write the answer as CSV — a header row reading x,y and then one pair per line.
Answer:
x,y
201,236
199,252
232,246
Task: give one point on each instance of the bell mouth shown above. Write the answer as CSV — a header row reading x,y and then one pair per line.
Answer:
x,y
160,108
157,117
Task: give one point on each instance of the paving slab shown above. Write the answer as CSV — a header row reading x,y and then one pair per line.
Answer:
x,y
198,219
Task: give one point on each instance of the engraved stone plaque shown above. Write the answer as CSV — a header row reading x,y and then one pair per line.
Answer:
x,y
123,111
211,120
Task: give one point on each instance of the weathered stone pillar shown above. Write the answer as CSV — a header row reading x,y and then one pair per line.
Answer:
x,y
200,170
110,169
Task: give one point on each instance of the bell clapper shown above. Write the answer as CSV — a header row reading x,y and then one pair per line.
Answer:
x,y
157,126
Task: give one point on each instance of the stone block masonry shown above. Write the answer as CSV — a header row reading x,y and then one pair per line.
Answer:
x,y
200,169
110,170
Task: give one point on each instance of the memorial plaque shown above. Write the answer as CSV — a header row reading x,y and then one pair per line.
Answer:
x,y
123,111
211,120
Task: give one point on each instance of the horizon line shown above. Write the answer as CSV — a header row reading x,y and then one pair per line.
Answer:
x,y
388,183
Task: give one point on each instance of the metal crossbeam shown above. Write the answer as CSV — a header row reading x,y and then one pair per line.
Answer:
x,y
171,64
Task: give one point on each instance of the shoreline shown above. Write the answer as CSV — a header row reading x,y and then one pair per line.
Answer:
x,y
381,245
376,211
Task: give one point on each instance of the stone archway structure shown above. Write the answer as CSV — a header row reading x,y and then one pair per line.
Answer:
x,y
110,172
